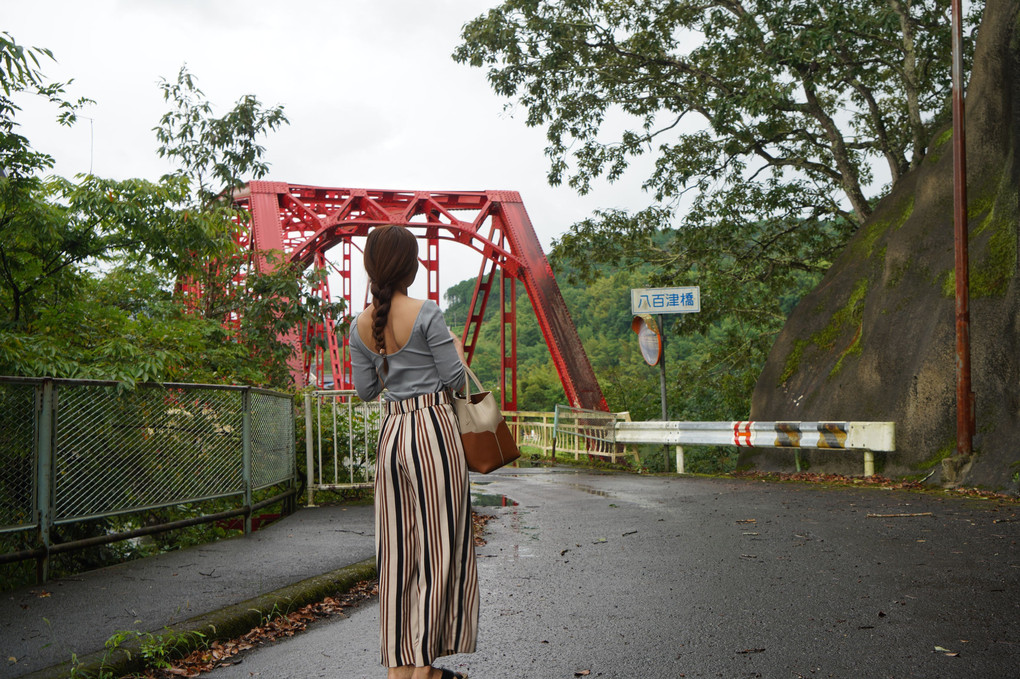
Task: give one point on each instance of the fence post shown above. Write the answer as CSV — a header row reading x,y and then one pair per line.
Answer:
x,y
679,460
309,451
246,456
44,474
869,463
290,504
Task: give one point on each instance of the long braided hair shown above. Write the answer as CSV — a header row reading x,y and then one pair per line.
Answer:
x,y
391,261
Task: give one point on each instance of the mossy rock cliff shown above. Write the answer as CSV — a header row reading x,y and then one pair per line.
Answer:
x,y
876,340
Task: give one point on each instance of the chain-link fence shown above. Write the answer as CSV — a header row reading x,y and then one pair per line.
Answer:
x,y
75,450
341,436
18,461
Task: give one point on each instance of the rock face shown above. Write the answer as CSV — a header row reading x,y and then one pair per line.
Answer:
x,y
876,340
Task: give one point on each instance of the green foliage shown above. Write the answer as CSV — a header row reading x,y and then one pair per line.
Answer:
x,y
89,267
19,73
711,366
790,100
458,304
216,153
763,120
352,430
156,650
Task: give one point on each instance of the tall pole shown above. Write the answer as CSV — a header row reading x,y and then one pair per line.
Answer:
x,y
662,382
964,395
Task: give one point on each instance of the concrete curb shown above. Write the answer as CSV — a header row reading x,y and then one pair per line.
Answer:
x,y
221,625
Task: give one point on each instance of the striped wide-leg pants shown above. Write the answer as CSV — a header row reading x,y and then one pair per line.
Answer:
x,y
428,580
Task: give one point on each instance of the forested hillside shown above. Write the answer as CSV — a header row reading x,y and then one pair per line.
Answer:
x,y
711,369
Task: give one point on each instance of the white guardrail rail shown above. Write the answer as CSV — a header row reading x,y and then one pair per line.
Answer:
x,y
869,437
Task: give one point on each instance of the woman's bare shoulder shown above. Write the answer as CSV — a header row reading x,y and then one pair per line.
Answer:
x,y
406,308
362,323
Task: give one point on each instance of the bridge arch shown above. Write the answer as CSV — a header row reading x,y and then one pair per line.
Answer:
x,y
306,221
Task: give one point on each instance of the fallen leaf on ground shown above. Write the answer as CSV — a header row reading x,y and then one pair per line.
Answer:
x,y
221,653
582,673
874,480
479,521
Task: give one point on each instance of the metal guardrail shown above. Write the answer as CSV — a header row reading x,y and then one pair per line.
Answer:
x,y
341,434
75,450
868,437
589,432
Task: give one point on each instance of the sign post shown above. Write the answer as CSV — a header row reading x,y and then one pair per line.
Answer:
x,y
644,302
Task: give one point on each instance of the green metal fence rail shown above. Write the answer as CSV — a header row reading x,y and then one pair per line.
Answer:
x,y
75,450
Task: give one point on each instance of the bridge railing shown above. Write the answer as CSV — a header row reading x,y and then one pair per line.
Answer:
x,y
341,434
532,428
78,450
590,432
568,431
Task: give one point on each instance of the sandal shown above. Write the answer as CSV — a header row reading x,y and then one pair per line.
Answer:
x,y
448,674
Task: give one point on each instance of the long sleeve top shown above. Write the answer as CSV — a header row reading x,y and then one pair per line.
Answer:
x,y
426,364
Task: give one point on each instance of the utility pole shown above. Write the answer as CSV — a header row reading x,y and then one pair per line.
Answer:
x,y
964,394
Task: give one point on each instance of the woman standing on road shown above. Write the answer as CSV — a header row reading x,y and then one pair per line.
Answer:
x,y
428,582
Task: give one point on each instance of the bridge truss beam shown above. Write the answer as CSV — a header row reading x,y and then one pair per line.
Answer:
x,y
305,222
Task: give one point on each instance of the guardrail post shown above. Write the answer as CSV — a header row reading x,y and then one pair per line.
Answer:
x,y
246,456
869,463
309,451
679,460
44,474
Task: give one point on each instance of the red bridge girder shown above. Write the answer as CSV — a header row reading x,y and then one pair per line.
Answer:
x,y
306,221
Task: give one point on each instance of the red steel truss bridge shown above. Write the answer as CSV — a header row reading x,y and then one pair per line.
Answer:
x,y
305,222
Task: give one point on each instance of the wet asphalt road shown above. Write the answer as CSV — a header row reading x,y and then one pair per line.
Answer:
x,y
625,576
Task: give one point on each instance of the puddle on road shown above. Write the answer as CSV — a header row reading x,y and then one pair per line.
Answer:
x,y
520,533
589,490
479,499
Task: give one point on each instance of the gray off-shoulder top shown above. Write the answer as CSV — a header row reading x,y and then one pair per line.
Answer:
x,y
426,364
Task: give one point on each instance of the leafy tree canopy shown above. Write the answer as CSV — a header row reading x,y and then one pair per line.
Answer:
x,y
770,118
88,266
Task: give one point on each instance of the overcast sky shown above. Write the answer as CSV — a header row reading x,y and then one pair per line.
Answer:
x,y
373,98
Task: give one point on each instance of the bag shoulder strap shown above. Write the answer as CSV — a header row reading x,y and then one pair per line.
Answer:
x,y
467,383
